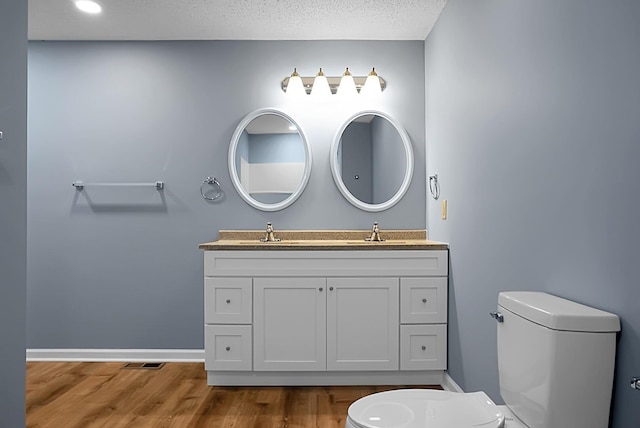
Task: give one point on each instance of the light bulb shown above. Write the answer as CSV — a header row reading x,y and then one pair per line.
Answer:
x,y
295,88
321,87
372,84
347,85
88,6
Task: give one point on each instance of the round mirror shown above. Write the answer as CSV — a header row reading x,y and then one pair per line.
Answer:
x,y
372,160
269,160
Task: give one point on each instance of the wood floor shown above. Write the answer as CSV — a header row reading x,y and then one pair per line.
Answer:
x,y
84,395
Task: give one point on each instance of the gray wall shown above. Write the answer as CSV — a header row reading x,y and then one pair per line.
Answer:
x,y
13,208
120,268
533,130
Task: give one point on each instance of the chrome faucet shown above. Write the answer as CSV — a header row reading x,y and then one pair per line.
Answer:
x,y
270,237
375,234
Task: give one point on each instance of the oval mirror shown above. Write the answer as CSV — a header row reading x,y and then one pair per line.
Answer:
x,y
269,160
372,160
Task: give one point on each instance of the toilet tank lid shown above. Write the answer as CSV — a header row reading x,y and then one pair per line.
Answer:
x,y
557,313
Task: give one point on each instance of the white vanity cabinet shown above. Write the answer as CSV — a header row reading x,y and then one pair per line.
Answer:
x,y
305,317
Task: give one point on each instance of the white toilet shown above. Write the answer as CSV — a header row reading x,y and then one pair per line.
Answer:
x,y
555,366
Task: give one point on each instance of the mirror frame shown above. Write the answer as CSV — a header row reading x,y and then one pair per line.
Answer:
x,y
337,175
235,179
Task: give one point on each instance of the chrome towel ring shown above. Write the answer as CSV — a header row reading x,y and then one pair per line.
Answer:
x,y
213,182
434,186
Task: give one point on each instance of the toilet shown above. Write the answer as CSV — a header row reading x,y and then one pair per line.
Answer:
x,y
555,367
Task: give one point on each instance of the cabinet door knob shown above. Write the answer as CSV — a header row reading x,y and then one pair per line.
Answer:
x,y
424,300
330,288
228,348
423,347
320,288
228,300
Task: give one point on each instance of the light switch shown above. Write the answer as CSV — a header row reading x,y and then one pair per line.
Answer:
x,y
444,209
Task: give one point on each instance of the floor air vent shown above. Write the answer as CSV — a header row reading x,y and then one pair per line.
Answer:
x,y
143,366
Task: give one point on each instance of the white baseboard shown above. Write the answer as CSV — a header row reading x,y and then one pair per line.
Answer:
x,y
449,384
118,355
151,356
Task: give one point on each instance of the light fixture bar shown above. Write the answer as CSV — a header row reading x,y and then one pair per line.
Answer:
x,y
334,82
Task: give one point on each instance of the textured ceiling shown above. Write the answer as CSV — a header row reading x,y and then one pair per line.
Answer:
x,y
235,20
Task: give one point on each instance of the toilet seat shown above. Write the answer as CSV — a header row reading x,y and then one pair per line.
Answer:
x,y
424,408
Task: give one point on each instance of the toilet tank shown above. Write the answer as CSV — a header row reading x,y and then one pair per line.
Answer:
x,y
555,360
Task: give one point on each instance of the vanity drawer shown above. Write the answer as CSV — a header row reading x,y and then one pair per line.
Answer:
x,y
227,347
423,347
228,300
423,300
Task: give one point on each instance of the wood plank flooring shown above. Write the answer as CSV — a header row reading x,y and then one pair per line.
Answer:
x,y
87,395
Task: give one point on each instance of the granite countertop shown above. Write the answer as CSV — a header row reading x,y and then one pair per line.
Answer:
x,y
323,240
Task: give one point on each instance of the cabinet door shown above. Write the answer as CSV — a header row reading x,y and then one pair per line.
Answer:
x,y
289,324
362,323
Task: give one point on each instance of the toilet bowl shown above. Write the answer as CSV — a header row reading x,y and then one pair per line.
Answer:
x,y
425,408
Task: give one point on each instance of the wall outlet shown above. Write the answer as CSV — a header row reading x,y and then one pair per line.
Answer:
x,y
444,209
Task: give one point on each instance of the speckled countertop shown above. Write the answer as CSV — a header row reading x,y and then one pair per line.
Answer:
x,y
323,240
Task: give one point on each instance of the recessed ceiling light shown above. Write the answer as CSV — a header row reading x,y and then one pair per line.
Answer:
x,y
88,6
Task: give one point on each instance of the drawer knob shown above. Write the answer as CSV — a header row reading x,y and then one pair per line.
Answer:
x,y
320,288
228,300
330,288
228,348
424,348
424,300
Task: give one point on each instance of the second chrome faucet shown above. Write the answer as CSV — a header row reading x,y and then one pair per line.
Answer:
x,y
375,234
270,236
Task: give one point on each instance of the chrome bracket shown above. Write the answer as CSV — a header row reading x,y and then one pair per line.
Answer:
x,y
497,316
635,383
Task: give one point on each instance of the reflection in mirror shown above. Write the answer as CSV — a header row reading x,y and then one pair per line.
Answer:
x,y
372,161
269,160
368,145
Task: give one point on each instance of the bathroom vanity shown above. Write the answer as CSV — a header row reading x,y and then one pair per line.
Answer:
x,y
325,307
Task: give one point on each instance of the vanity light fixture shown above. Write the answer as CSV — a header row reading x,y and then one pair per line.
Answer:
x,y
291,85
88,6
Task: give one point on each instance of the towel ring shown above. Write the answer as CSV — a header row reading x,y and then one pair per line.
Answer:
x,y
214,182
434,186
